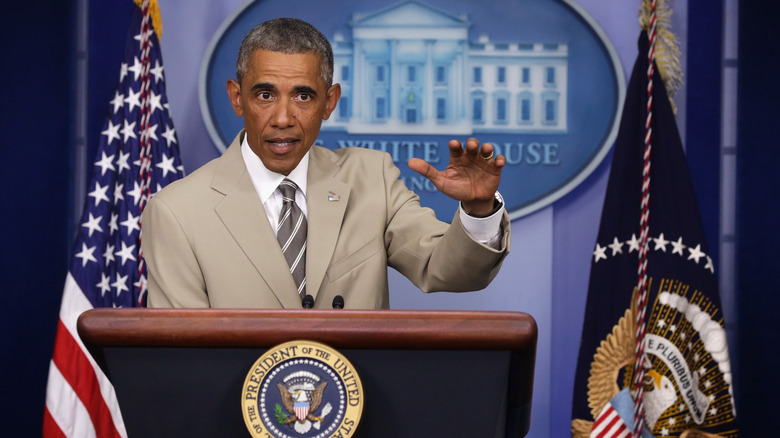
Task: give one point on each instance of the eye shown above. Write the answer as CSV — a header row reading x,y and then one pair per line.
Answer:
x,y
264,95
304,97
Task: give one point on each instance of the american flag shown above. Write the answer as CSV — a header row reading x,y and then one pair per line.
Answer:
x,y
107,269
609,424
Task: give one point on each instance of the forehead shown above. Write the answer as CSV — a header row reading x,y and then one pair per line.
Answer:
x,y
269,66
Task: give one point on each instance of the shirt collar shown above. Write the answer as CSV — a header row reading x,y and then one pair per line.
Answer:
x,y
266,181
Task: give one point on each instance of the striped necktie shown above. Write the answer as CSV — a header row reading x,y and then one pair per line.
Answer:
x,y
291,233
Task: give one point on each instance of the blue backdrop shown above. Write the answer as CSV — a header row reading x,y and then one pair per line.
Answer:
x,y
37,113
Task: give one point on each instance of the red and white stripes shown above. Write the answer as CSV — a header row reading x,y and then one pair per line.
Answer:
x,y
80,401
609,425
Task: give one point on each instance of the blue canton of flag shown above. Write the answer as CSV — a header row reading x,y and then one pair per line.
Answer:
x,y
687,386
107,268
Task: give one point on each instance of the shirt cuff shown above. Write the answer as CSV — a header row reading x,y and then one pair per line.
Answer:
x,y
485,230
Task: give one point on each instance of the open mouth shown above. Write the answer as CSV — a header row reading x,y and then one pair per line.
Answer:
x,y
281,145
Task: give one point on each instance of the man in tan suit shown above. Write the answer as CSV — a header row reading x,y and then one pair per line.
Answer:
x,y
208,239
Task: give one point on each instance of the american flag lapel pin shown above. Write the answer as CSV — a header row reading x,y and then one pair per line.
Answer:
x,y
332,197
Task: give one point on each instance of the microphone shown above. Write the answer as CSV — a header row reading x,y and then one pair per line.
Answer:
x,y
308,301
338,302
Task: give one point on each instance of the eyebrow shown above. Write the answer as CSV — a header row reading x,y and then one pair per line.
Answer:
x,y
306,89
298,88
263,86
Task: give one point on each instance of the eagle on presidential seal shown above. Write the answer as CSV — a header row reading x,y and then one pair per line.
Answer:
x,y
301,400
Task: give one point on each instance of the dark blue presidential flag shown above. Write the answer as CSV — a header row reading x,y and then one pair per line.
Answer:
x,y
687,385
138,154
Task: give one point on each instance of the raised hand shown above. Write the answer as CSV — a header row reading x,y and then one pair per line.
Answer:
x,y
471,177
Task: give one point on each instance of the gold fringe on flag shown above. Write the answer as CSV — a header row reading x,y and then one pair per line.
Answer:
x,y
154,11
667,54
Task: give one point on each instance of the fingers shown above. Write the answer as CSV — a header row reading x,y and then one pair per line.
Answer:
x,y
487,151
423,168
473,151
456,150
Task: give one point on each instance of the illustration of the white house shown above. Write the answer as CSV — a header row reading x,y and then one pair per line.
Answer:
x,y
411,69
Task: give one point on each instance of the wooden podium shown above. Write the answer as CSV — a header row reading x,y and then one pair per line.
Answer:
x,y
424,373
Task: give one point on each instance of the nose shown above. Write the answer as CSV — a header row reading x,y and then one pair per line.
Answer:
x,y
282,116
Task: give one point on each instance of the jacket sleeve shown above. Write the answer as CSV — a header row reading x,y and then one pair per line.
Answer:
x,y
435,256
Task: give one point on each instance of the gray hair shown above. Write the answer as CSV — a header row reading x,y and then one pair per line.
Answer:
x,y
290,36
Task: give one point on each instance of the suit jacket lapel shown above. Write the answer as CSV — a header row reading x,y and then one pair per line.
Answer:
x,y
244,217
326,201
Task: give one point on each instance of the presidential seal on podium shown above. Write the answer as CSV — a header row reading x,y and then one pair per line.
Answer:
x,y
302,389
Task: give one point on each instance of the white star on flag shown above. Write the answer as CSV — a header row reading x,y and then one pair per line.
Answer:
x,y
136,192
118,196
709,266
120,284
152,132
121,161
126,253
660,243
112,131
166,165
155,103
118,102
128,131
99,193
600,253
157,71
93,224
678,247
108,254
695,254
616,246
122,72
112,223
104,284
133,99
169,135
633,244
131,223
86,255
105,163
136,68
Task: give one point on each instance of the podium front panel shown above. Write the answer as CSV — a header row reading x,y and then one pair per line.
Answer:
x,y
172,383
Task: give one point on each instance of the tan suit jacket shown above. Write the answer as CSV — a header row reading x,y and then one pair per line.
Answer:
x,y
207,241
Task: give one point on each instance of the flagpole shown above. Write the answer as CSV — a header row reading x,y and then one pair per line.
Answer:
x,y
641,322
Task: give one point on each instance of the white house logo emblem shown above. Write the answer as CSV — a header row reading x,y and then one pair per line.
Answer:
x,y
539,80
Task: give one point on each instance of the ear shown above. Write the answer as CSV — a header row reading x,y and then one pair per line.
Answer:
x,y
234,94
332,96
